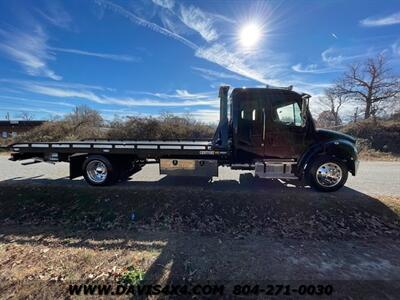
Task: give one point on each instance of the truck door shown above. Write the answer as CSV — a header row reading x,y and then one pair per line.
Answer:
x,y
250,124
285,133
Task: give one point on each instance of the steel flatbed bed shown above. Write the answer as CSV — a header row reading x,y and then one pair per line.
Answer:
x,y
142,149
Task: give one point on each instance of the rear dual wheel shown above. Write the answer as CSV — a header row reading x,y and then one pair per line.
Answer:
x,y
99,171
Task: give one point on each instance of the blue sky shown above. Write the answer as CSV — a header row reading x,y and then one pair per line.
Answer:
x,y
145,57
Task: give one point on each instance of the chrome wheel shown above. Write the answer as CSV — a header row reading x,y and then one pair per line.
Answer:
x,y
329,174
96,170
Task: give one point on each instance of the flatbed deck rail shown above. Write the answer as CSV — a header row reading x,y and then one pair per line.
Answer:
x,y
143,149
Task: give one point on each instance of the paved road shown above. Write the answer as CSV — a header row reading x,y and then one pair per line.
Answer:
x,y
374,178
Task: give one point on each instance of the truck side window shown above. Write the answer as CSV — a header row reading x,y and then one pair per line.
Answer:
x,y
289,114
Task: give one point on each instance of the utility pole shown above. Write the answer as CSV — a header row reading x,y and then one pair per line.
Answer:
x,y
8,116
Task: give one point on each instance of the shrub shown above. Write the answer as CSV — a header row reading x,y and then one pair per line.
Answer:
x,y
380,135
82,123
131,277
166,127
86,123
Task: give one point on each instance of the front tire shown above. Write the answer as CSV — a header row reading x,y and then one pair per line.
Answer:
x,y
327,174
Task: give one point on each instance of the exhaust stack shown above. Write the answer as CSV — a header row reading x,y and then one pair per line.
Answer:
x,y
223,106
221,135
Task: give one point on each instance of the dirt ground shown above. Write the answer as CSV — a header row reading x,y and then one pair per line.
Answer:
x,y
54,235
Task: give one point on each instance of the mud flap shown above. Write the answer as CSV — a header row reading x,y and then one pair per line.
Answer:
x,y
76,165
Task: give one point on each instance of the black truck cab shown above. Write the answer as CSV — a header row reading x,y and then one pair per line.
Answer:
x,y
269,124
274,127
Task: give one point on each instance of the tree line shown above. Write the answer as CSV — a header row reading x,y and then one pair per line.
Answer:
x,y
370,86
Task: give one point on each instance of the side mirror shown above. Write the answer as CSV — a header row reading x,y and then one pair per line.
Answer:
x,y
304,109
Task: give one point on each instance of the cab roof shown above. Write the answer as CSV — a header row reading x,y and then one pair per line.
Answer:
x,y
268,90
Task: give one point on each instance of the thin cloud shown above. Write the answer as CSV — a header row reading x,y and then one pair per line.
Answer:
x,y
179,94
313,69
35,102
312,88
168,4
197,20
219,55
18,109
117,57
67,85
65,93
129,101
392,19
333,61
56,15
142,22
396,48
333,57
211,74
183,97
193,18
30,50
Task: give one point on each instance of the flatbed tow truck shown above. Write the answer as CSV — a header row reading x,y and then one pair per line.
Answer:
x,y
268,130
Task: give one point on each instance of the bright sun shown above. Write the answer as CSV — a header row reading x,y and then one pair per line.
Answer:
x,y
249,35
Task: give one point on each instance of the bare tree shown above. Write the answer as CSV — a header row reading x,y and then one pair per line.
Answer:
x,y
26,116
327,120
370,83
334,100
84,116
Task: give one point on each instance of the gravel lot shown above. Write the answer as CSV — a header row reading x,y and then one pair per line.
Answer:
x,y
374,178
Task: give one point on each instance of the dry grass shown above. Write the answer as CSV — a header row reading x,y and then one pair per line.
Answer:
x,y
289,213
374,155
50,237
42,261
31,256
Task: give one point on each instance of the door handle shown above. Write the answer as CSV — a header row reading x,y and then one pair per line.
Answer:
x,y
263,134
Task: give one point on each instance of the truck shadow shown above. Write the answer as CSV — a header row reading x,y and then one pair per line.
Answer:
x,y
244,181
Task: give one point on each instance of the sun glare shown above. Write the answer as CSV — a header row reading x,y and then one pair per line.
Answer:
x,y
249,35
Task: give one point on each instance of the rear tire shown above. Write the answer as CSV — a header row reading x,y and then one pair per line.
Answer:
x,y
327,174
99,171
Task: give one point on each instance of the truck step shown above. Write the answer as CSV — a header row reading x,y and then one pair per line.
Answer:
x,y
275,169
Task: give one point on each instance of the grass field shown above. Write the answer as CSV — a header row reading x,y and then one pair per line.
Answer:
x,y
188,209
58,235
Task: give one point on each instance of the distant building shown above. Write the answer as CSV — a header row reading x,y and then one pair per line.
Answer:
x,y
10,129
